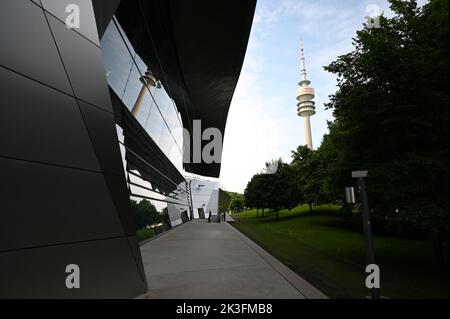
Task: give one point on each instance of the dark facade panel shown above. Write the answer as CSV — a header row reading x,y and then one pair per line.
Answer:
x,y
224,201
47,205
102,131
106,267
64,197
119,194
83,61
104,10
41,124
27,45
88,27
38,2
136,251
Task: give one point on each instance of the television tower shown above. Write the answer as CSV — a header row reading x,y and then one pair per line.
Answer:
x,y
305,95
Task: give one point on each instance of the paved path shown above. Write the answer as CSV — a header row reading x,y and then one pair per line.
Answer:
x,y
228,218
213,260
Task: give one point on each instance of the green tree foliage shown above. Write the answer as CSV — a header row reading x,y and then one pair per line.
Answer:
x,y
144,214
391,117
281,189
237,202
274,191
234,195
254,194
307,168
237,205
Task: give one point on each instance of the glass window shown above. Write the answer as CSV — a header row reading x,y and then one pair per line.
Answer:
x,y
157,114
116,59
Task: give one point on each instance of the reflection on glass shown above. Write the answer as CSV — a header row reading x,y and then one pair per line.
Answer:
x,y
158,114
116,59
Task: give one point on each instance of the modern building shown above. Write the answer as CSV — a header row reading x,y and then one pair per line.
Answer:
x,y
305,96
204,195
93,115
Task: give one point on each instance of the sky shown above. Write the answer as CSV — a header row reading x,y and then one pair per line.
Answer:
x,y
262,122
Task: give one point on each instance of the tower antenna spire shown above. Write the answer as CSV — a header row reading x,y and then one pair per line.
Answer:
x,y
303,77
302,50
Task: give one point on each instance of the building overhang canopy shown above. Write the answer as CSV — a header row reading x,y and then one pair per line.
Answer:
x,y
196,49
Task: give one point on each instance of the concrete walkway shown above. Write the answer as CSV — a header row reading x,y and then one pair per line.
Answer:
x,y
213,260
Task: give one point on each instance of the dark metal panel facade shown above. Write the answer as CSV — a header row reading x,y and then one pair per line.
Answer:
x,y
105,266
30,49
63,141
63,194
88,27
83,62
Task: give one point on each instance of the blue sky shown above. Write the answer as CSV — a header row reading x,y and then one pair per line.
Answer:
x,y
263,122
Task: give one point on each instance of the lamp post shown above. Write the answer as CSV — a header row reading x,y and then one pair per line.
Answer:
x,y
370,254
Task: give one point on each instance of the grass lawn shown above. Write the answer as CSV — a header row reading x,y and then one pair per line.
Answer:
x,y
328,252
144,233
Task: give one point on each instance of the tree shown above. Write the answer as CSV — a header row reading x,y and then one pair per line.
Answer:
x,y
236,202
273,188
279,189
288,191
237,205
144,213
391,118
254,194
308,180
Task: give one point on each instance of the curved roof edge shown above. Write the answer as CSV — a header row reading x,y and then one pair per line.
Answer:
x,y
196,49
